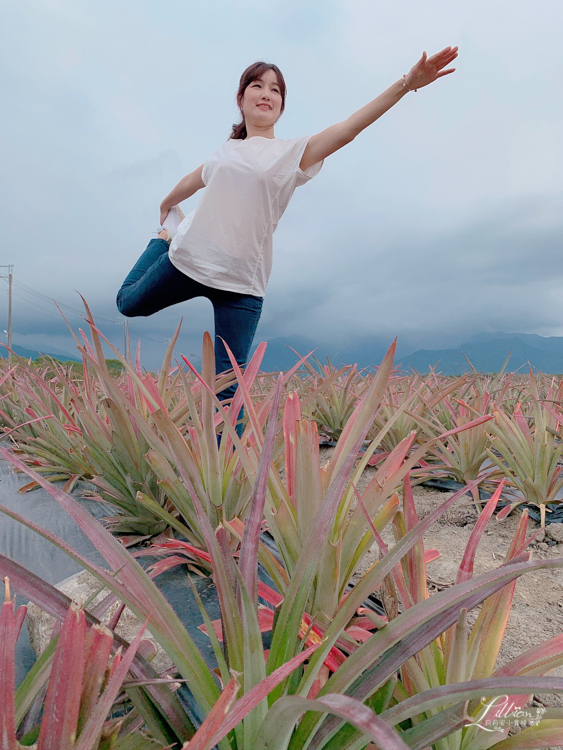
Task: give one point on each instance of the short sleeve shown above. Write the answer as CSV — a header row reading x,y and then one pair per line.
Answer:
x,y
303,176
205,173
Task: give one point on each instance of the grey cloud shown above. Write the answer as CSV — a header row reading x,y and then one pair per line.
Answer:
x,y
442,219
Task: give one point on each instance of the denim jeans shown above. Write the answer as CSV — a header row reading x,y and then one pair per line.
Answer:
x,y
154,283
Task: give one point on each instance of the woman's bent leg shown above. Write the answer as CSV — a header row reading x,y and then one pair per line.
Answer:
x,y
236,319
154,283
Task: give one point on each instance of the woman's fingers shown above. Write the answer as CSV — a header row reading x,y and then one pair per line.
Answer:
x,y
441,62
446,62
438,62
447,53
445,72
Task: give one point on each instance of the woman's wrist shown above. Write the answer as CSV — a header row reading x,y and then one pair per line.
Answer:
x,y
406,85
399,90
165,207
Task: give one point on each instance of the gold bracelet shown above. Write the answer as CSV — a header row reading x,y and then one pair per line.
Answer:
x,y
405,85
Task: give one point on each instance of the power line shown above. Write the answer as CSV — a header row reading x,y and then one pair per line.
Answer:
x,y
31,291
46,310
46,298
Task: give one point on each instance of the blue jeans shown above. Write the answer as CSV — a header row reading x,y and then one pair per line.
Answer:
x,y
154,283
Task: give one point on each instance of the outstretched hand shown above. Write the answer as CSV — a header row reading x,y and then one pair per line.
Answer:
x,y
428,69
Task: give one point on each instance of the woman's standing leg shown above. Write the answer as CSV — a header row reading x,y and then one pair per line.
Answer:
x,y
236,319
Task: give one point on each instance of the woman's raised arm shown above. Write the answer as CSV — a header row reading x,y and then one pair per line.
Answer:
x,y
187,186
425,71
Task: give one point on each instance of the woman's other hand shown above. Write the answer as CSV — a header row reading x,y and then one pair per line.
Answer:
x,y
428,69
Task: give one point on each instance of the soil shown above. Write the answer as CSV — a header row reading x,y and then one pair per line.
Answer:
x,y
537,609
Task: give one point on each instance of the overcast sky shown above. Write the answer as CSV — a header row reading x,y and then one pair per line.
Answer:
x,y
442,219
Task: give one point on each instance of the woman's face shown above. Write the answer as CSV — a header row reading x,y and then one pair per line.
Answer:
x,y
261,103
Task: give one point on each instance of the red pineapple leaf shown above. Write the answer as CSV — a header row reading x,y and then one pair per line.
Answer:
x,y
467,426
152,387
7,680
98,649
314,634
411,516
212,722
60,719
291,413
265,622
522,423
257,694
377,458
251,537
537,660
268,594
118,672
502,514
18,622
360,634
519,542
168,563
416,557
397,573
175,545
251,371
430,555
138,368
53,395
395,459
465,571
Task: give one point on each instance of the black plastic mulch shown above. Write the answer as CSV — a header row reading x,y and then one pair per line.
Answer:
x,y
554,514
53,565
450,485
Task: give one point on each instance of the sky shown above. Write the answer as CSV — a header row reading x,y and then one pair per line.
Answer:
x,y
442,219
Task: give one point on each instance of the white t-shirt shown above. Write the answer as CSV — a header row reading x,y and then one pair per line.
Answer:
x,y
226,242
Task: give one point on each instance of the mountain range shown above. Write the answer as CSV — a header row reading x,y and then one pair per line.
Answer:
x,y
487,352
21,351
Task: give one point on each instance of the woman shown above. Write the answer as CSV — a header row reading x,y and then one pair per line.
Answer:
x,y
223,249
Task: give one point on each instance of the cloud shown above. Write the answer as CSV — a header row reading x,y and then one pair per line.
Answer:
x,y
441,219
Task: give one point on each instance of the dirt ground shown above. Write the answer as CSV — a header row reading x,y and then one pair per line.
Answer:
x,y
537,609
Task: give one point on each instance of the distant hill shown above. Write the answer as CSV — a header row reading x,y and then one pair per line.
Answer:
x,y
488,352
365,352
33,354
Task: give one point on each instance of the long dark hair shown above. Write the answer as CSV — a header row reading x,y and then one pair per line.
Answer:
x,y
252,73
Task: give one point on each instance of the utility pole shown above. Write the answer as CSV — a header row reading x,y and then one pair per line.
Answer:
x,y
10,276
10,279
